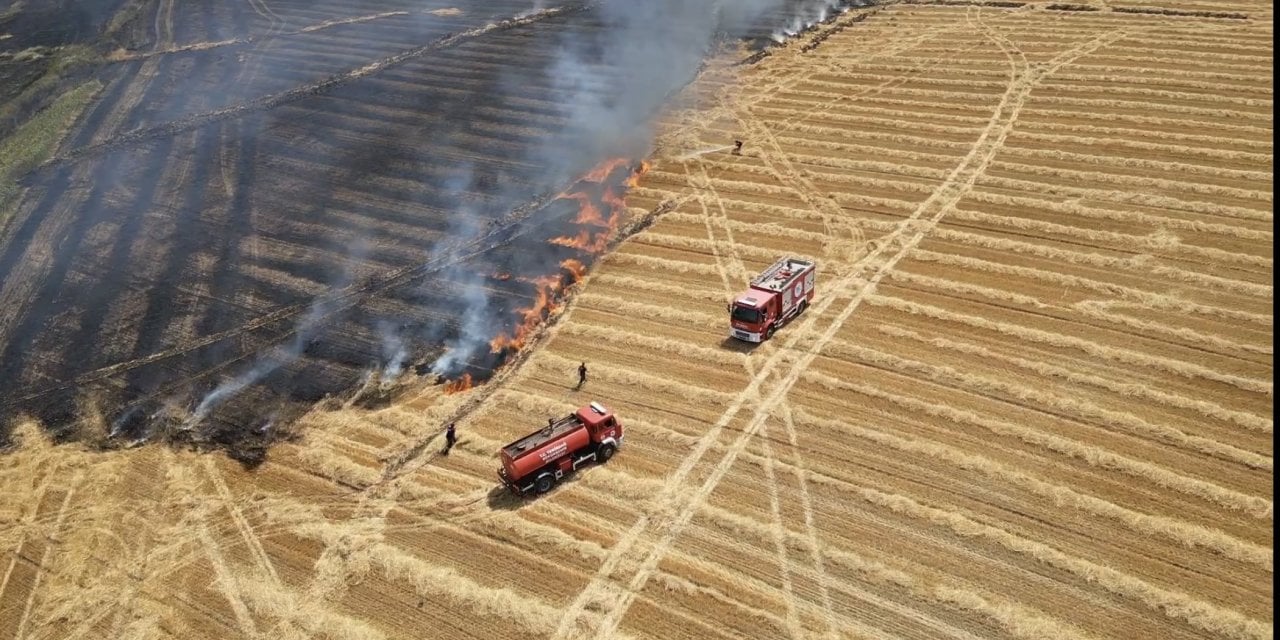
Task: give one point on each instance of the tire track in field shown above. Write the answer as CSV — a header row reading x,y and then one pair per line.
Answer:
x,y
43,567
805,499
227,583
251,539
904,77
40,493
234,42
794,625
675,512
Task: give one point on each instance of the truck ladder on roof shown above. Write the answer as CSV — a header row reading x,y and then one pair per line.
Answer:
x,y
776,277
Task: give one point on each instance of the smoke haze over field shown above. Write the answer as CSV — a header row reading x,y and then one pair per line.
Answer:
x,y
207,259
610,82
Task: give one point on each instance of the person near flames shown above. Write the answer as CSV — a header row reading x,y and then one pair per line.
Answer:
x,y
582,374
450,437
737,147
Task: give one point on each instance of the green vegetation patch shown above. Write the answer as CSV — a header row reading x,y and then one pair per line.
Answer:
x,y
36,140
56,64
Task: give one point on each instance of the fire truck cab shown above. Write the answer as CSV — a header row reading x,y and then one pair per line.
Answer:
x,y
780,293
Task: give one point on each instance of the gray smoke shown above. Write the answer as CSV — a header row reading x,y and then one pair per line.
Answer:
x,y
610,83
465,226
395,351
477,327
287,353
814,12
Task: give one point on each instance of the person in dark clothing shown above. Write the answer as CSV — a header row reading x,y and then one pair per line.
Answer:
x,y
450,437
582,374
737,147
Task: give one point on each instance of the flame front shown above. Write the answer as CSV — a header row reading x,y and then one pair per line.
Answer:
x,y
598,227
458,386
575,268
603,170
595,240
634,180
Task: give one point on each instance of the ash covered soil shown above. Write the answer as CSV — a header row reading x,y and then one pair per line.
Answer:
x,y
264,205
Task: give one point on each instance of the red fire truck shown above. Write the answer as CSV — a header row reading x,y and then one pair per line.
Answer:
x,y
535,462
779,294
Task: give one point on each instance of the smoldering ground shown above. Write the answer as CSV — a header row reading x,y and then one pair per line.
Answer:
x,y
241,295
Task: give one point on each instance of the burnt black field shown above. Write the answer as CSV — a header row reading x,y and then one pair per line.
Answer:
x,y
228,235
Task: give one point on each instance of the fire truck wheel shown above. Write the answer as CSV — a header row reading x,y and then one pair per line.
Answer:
x,y
543,483
606,451
804,304
768,333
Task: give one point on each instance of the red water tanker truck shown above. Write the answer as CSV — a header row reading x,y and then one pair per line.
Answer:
x,y
780,293
534,463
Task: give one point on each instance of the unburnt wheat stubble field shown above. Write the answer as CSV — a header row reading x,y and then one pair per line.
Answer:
x,y
1032,399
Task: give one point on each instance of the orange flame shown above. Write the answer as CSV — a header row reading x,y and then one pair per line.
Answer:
x,y
580,241
603,170
588,213
502,275
591,241
575,268
546,294
616,204
545,289
634,180
458,386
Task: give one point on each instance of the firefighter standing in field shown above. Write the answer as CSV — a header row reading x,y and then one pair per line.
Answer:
x,y
582,375
450,437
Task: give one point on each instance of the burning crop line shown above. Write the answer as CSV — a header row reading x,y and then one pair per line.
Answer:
x,y
458,386
598,219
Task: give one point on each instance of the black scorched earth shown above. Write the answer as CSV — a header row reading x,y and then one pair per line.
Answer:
x,y
261,208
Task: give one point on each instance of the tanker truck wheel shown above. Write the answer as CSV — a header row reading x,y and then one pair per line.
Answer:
x,y
606,451
543,483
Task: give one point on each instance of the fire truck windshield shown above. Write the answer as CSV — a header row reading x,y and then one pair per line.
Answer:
x,y
746,314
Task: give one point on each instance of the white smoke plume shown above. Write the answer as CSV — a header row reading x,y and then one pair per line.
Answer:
x,y
394,350
476,329
611,82
809,14
284,354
